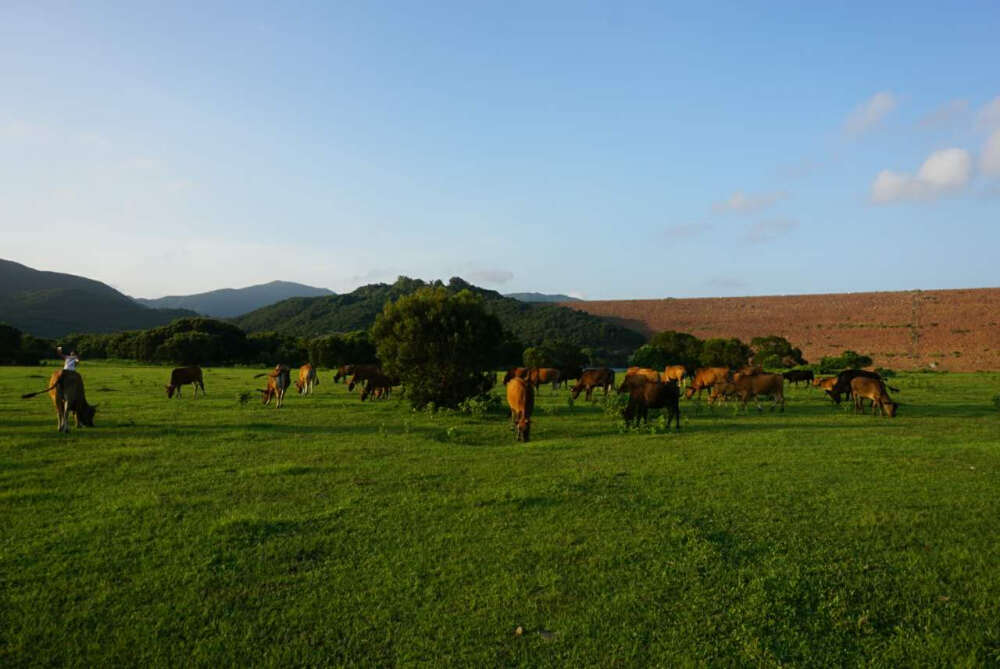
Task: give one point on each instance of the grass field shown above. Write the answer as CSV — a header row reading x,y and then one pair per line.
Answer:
x,y
331,532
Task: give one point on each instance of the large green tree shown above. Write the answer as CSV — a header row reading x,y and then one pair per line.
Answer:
x,y
442,345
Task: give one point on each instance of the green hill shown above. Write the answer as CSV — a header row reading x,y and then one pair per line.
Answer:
x,y
531,323
51,304
228,302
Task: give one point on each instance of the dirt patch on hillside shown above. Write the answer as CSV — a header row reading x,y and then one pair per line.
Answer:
x,y
953,330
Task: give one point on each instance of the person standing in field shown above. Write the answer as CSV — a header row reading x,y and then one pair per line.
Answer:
x,y
69,361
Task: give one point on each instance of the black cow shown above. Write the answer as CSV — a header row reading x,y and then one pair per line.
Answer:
x,y
843,384
796,375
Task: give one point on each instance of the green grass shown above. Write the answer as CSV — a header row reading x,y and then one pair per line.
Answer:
x,y
331,532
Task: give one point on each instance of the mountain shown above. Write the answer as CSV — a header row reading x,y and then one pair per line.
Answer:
x,y
51,304
531,323
542,297
228,302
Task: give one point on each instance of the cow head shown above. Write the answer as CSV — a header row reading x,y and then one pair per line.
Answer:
x,y
890,409
300,385
689,393
524,429
170,390
86,414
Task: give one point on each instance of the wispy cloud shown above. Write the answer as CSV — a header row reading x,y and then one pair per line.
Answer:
x,y
743,203
870,113
944,172
769,230
946,114
490,276
989,157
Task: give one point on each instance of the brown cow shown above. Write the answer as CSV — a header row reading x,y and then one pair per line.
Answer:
x,y
183,376
307,379
675,373
594,378
516,373
706,377
539,375
521,400
826,384
278,381
748,370
66,390
378,387
872,389
752,387
644,395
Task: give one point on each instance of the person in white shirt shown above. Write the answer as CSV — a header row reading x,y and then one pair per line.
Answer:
x,y
69,361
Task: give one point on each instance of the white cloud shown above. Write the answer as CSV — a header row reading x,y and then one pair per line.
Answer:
x,y
742,203
490,276
989,115
989,159
765,231
945,114
869,113
943,172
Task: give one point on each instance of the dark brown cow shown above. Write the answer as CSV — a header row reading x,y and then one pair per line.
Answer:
x,y
601,377
343,372
183,376
752,387
566,374
706,377
66,390
307,379
644,395
539,375
516,373
278,381
872,389
521,400
363,373
796,375
378,387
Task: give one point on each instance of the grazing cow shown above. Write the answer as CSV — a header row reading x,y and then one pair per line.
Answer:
x,y
705,377
644,395
872,389
752,387
826,384
843,385
594,378
796,375
363,373
343,372
183,376
278,381
378,387
649,374
521,400
539,375
675,373
516,373
66,390
307,379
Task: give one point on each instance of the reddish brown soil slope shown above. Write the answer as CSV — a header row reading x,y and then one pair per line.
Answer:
x,y
947,329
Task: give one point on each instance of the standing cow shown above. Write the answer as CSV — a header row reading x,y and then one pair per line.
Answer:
x,y
602,377
183,376
307,379
521,400
644,395
66,390
278,381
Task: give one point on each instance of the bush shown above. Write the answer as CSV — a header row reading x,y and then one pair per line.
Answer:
x,y
776,352
846,360
724,353
649,356
679,348
885,373
441,345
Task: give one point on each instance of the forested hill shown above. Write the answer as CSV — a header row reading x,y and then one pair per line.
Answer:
x,y
530,323
228,302
51,304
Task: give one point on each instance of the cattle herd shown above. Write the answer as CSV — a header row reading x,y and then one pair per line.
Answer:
x,y
645,388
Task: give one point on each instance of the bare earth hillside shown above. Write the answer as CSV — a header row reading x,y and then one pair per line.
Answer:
x,y
944,329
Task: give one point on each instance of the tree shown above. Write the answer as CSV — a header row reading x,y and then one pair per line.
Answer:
x,y
649,356
724,353
679,348
775,351
441,345
846,360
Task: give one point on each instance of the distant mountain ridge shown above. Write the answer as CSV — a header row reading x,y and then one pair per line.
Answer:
x,y
52,304
531,323
230,302
542,297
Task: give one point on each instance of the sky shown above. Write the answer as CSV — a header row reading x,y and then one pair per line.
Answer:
x,y
605,150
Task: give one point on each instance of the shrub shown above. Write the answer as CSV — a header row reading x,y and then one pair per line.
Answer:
x,y
846,360
776,352
441,345
724,353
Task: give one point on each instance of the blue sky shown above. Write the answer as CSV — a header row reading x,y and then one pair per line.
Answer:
x,y
606,150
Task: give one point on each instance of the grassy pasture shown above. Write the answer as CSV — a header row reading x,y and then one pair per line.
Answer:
x,y
331,532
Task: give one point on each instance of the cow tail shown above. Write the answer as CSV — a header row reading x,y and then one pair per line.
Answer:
x,y
29,395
